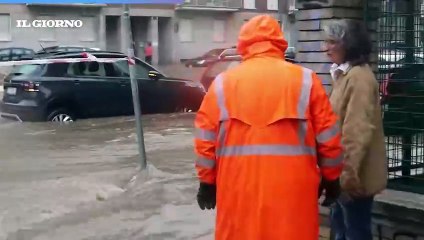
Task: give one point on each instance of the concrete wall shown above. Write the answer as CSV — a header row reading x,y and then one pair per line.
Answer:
x,y
203,31
166,39
242,16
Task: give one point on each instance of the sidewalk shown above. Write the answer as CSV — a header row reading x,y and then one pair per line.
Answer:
x,y
324,233
3,72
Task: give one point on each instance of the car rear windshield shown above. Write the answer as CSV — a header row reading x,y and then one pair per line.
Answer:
x,y
230,52
214,52
27,70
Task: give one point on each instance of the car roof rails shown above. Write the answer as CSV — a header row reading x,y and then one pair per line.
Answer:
x,y
78,53
87,51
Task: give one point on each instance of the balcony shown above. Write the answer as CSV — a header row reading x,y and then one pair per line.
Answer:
x,y
79,5
211,5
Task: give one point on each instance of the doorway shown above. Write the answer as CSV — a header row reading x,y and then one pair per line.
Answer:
x,y
113,42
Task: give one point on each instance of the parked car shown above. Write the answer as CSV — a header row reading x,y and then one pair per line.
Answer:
x,y
63,92
395,51
210,57
387,66
15,53
223,64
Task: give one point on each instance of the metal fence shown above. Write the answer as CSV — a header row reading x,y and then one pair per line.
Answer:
x,y
399,44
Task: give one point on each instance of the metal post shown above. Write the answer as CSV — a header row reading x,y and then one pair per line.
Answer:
x,y
283,11
407,140
281,8
134,88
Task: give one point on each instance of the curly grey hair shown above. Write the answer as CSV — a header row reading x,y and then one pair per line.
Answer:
x,y
353,37
336,29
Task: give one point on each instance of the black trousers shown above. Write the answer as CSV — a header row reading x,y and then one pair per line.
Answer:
x,y
149,59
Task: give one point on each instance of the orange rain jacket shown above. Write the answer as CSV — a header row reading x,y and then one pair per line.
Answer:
x,y
261,132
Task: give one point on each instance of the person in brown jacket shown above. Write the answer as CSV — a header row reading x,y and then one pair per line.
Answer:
x,y
355,98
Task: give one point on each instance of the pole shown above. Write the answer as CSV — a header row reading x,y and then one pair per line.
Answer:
x,y
134,88
281,6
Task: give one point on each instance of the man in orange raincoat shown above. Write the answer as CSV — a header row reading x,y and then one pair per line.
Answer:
x,y
265,133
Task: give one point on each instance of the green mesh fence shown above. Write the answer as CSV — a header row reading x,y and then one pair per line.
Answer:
x,y
398,30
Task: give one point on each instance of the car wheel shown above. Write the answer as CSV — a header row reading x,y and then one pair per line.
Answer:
x,y
61,115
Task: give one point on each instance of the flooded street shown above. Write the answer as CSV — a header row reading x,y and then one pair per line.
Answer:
x,y
81,181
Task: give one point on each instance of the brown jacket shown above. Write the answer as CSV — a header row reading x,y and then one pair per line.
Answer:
x,y
355,98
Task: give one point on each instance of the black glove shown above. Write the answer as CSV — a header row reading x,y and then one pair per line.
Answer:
x,y
332,191
206,197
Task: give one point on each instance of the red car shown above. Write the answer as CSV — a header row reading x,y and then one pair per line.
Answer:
x,y
223,64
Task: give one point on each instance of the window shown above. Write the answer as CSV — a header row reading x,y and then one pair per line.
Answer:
x,y
5,29
29,52
140,70
214,52
112,71
249,4
18,51
218,30
87,69
47,34
5,55
272,4
229,52
27,70
186,30
89,30
56,70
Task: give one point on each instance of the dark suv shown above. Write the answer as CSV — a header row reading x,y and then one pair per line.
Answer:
x,y
68,91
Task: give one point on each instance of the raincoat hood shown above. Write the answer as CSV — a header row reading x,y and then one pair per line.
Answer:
x,y
261,36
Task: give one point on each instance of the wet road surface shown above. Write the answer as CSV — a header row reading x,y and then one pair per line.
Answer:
x,y
80,181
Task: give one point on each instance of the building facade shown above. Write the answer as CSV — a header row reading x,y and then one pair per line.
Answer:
x,y
176,32
216,23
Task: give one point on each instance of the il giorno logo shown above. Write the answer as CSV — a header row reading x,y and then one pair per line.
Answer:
x,y
49,24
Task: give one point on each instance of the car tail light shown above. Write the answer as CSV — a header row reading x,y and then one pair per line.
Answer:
x,y
384,93
30,86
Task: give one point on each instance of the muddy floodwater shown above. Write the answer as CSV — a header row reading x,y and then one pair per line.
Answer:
x,y
81,181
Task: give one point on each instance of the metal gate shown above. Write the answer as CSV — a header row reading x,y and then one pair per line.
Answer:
x,y
399,43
